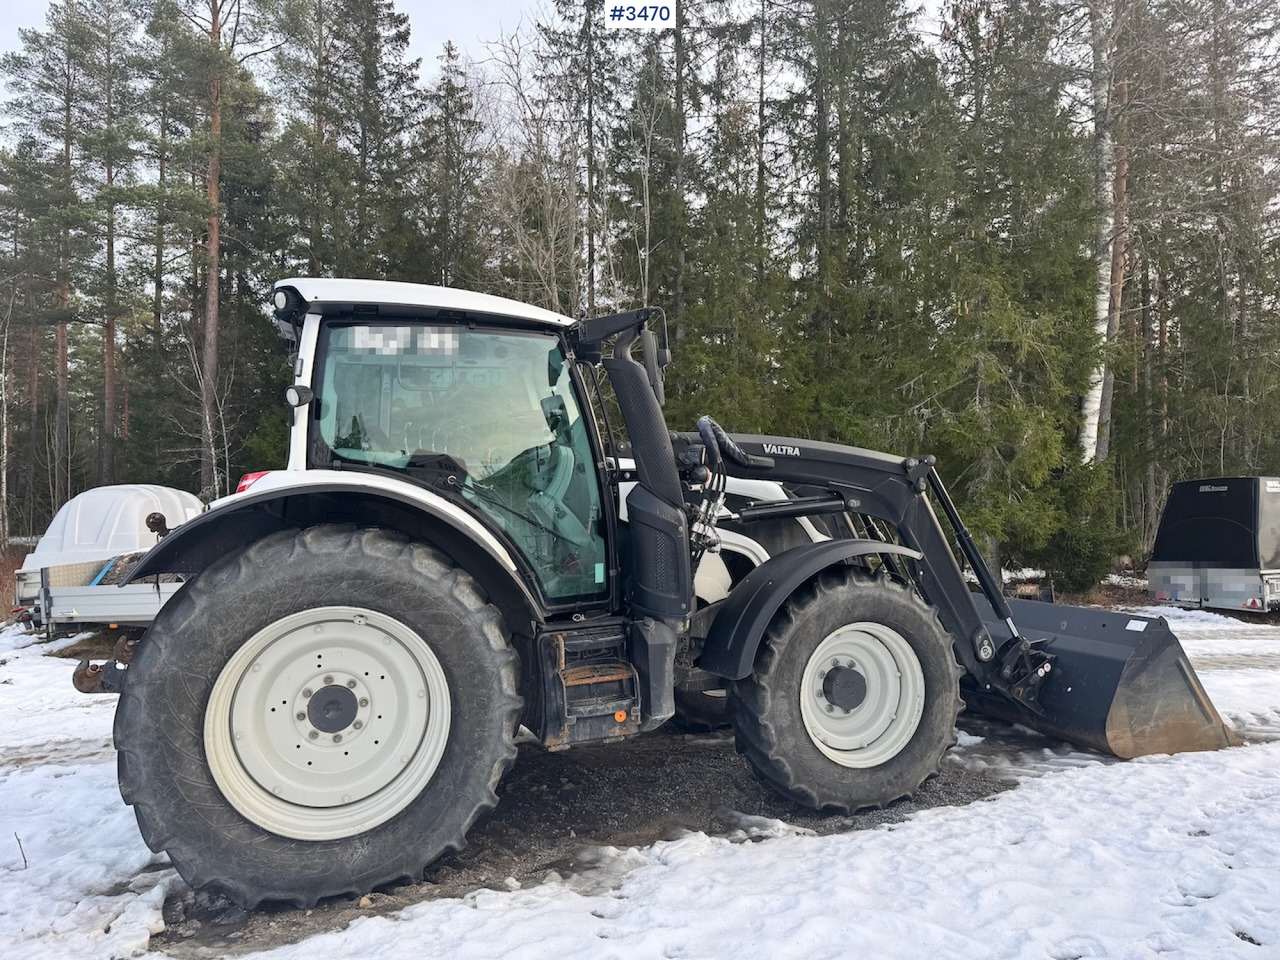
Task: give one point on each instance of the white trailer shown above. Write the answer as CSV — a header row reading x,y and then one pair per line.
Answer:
x,y
67,581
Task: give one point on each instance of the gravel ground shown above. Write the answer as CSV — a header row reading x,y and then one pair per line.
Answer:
x,y
558,816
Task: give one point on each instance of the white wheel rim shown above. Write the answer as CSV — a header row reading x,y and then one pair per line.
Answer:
x,y
382,702
876,729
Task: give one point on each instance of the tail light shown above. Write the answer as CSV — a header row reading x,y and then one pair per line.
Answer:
x,y
249,479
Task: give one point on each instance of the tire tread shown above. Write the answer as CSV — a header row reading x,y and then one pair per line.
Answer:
x,y
140,784
757,735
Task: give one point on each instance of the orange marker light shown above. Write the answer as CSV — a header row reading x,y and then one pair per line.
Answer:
x,y
620,716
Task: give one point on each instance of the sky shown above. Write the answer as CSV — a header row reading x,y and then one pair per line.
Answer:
x,y
468,23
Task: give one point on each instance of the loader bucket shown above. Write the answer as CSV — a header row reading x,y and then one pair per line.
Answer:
x,y
1120,684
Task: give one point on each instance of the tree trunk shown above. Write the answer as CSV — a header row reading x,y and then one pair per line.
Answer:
x,y
761,173
107,438
210,485
157,263
5,439
33,426
677,300
106,446
1115,296
62,410
1154,487
1100,21
589,36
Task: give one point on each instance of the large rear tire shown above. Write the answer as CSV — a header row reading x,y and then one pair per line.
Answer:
x,y
854,695
324,713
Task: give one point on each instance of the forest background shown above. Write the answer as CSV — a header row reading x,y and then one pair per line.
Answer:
x,y
1037,239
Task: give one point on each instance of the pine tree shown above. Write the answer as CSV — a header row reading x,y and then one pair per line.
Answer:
x,y
856,131
453,169
228,32
46,78
315,171
729,339
109,148
384,104
1008,364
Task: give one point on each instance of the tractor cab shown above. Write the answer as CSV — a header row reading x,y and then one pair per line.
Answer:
x,y
489,415
497,407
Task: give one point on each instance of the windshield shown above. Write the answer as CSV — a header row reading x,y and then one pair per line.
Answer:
x,y
496,409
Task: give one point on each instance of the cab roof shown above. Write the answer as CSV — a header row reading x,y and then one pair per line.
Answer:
x,y
340,293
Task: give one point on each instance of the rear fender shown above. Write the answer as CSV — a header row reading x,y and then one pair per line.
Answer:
x,y
238,521
735,634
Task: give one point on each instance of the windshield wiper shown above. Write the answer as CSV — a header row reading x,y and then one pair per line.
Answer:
x,y
435,464
491,497
449,476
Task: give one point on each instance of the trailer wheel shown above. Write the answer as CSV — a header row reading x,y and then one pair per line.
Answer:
x,y
854,695
323,713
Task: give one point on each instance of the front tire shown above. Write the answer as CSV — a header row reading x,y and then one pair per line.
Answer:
x,y
324,713
854,695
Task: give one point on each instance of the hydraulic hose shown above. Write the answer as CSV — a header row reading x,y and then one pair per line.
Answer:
x,y
714,437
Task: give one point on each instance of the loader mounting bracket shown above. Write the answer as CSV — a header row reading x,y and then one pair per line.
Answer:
x,y
1025,665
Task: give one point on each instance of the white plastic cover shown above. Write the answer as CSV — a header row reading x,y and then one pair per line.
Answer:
x,y
106,522
342,290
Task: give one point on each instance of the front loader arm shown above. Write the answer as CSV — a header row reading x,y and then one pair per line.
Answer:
x,y
895,491
1118,683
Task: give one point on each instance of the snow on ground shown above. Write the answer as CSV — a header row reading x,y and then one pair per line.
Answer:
x,y
1173,857
75,876
1237,661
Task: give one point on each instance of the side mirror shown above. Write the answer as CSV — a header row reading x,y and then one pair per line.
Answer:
x,y
653,364
556,413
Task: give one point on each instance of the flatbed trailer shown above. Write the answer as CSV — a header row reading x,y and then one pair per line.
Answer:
x,y
68,607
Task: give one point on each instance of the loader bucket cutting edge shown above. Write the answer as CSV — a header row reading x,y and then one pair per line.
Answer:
x,y
1121,684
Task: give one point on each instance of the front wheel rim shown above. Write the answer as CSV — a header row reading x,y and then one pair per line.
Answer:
x,y
887,683
327,722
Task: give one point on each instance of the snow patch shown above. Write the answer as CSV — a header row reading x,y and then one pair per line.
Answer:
x,y
1087,857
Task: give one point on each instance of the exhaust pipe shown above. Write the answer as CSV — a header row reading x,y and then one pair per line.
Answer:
x,y
98,677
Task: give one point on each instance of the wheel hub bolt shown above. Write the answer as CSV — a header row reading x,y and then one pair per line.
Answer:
x,y
351,684
313,735
301,715
328,680
358,724
307,692
364,701
337,738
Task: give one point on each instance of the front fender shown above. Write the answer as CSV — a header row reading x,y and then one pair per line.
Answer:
x,y
735,634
